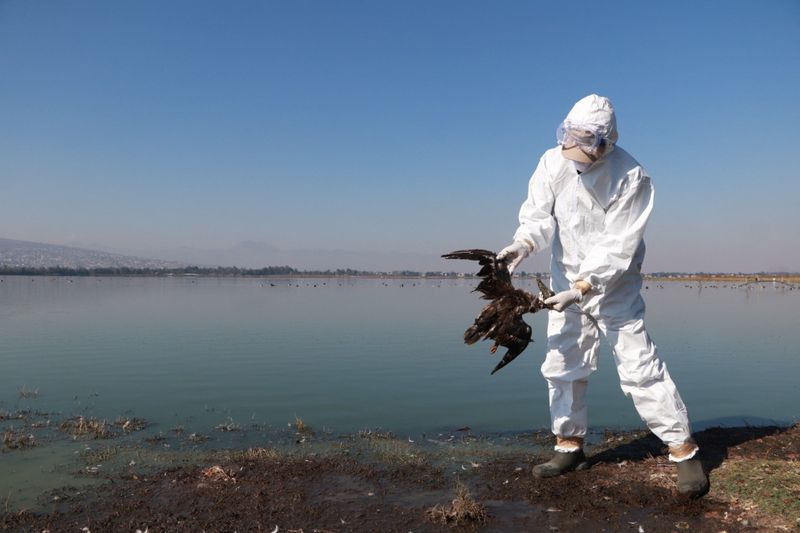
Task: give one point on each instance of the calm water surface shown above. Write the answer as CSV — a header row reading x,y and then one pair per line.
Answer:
x,y
361,353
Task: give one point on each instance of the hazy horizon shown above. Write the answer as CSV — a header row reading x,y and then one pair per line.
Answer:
x,y
388,134
259,255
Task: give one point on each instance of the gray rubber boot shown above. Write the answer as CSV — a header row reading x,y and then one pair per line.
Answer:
x,y
561,463
692,479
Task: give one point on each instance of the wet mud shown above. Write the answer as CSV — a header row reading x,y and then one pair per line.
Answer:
x,y
376,482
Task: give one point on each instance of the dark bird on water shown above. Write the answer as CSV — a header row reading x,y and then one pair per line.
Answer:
x,y
501,319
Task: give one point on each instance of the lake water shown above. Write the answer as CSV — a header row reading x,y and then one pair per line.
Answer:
x,y
346,355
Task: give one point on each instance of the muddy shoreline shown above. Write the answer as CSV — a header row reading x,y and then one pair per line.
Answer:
x,y
374,481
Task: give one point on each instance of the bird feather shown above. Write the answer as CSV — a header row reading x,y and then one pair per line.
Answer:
x,y
501,319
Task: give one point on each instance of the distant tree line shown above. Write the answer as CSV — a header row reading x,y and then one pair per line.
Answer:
x,y
190,271
128,271
719,274
6,270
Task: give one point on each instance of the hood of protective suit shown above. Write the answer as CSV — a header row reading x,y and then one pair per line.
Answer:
x,y
595,110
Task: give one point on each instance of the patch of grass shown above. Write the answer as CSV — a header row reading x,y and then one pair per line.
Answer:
x,y
257,454
394,451
463,510
17,415
376,434
102,455
155,439
28,394
15,441
131,424
217,474
234,456
86,427
300,426
772,486
229,426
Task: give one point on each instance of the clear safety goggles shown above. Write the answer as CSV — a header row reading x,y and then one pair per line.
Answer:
x,y
588,136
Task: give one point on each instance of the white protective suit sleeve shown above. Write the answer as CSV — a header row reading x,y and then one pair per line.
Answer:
x,y
625,223
537,224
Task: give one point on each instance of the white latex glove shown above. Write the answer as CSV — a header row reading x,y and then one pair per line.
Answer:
x,y
564,299
513,254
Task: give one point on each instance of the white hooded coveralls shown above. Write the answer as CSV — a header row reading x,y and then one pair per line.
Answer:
x,y
595,221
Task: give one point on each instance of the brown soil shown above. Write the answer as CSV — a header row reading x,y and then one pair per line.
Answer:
x,y
630,487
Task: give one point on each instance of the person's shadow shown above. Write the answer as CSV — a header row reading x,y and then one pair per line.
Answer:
x,y
714,445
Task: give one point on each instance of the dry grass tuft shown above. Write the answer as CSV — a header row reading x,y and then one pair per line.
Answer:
x,y
217,474
463,510
395,451
14,441
229,426
28,394
94,456
259,454
7,415
131,424
376,434
89,427
300,426
197,437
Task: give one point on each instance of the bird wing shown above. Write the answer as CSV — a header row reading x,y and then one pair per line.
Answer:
x,y
501,319
496,281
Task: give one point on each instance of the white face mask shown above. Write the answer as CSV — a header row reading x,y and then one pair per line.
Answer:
x,y
581,167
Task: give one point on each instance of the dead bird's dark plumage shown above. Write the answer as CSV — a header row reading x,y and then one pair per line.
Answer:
x,y
501,319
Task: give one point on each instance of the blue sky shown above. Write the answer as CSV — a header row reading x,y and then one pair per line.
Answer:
x,y
382,127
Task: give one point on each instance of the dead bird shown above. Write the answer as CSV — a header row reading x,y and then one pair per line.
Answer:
x,y
501,319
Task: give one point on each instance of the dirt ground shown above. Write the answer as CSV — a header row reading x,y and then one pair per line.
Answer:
x,y
380,483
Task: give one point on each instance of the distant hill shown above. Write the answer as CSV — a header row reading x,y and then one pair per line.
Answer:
x,y
40,255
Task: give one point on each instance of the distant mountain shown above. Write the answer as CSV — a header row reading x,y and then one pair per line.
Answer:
x,y
245,254
40,255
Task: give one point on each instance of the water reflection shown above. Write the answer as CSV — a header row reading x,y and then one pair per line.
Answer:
x,y
350,353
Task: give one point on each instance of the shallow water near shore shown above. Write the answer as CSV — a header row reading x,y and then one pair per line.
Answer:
x,y
201,355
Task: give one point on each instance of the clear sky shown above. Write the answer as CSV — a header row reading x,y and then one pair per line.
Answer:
x,y
408,126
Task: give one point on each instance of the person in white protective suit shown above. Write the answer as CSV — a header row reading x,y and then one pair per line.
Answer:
x,y
590,200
